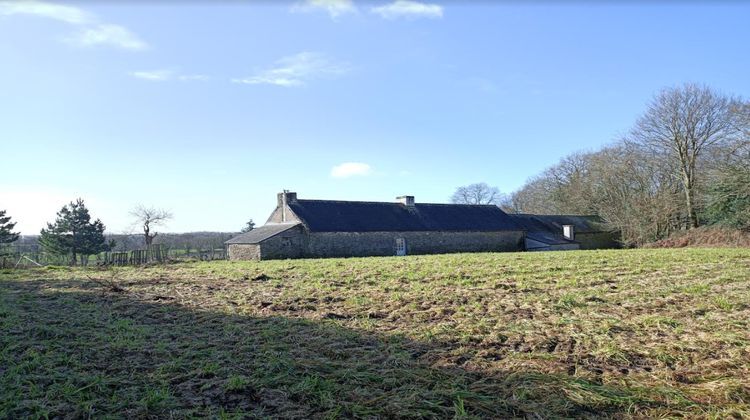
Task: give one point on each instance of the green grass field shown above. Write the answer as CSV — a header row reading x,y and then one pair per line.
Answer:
x,y
630,333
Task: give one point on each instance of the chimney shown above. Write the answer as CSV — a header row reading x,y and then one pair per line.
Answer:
x,y
407,200
569,232
282,199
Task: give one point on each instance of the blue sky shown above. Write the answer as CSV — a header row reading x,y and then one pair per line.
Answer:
x,y
210,109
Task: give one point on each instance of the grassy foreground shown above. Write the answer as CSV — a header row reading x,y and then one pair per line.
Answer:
x,y
631,333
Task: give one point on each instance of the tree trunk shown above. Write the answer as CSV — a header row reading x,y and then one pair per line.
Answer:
x,y
146,235
688,182
692,218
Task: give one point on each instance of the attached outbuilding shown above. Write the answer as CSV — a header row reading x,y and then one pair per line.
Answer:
x,y
565,232
328,228
271,241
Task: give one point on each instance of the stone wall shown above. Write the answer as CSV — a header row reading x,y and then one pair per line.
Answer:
x,y
352,244
280,213
297,243
287,244
243,251
290,243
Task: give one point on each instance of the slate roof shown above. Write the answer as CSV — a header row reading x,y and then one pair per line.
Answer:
x,y
261,233
549,238
554,223
363,216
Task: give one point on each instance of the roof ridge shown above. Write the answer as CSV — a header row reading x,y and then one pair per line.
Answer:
x,y
345,201
460,204
395,203
554,215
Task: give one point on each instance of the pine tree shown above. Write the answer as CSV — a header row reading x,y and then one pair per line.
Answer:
x,y
248,227
73,233
6,229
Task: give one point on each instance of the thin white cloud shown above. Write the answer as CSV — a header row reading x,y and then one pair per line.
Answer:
x,y
91,31
334,8
350,169
107,35
67,14
408,9
296,70
163,75
153,75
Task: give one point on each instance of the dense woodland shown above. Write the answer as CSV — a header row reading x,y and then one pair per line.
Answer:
x,y
685,163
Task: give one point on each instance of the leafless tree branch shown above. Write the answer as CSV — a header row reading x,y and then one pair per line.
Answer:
x,y
148,218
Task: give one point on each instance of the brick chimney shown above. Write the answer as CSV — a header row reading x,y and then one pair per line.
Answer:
x,y
407,200
282,199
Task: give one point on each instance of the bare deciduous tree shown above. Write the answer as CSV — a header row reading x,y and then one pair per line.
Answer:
x,y
147,218
633,192
561,189
671,169
742,112
479,193
535,197
681,125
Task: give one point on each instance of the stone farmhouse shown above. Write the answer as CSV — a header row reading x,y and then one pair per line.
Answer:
x,y
300,228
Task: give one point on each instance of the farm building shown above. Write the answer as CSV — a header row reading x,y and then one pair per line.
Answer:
x,y
556,232
325,228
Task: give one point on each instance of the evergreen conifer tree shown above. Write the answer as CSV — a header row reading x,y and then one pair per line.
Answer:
x,y
248,226
6,231
74,234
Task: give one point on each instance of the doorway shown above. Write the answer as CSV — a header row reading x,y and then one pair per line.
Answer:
x,y
400,246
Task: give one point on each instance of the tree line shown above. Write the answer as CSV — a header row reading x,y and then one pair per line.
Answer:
x,y
685,163
74,234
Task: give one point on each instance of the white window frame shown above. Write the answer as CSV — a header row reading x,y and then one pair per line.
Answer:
x,y
401,247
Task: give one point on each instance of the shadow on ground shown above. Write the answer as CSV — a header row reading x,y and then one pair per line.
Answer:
x,y
71,349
